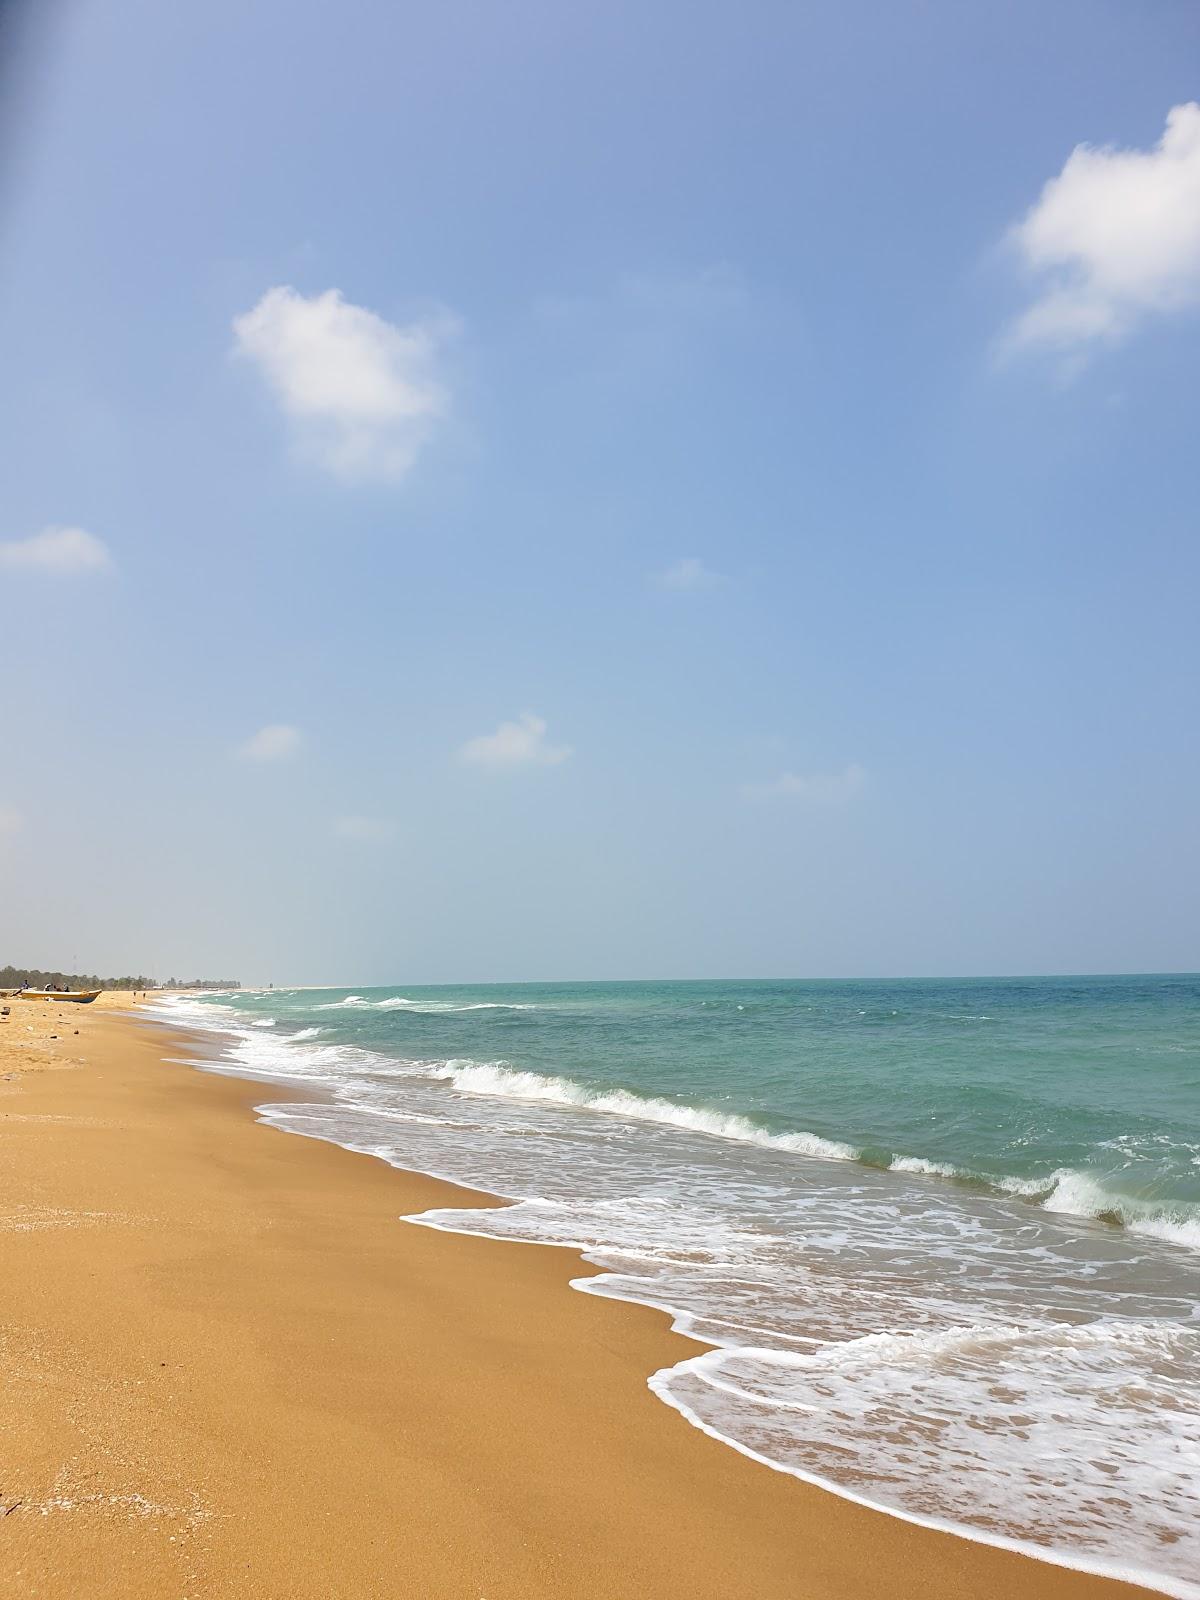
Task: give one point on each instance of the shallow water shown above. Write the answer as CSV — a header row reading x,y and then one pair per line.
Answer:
x,y
882,1204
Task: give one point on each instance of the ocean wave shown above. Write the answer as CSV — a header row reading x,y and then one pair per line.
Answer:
x,y
1171,1226
1175,1228
932,1169
399,1002
1066,1191
304,1033
495,1078
263,1022
1069,1191
1083,1194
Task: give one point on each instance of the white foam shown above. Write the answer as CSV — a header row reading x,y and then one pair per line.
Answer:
x,y
1172,1228
1057,1445
399,1003
494,1078
1028,1188
1082,1194
1079,1194
933,1169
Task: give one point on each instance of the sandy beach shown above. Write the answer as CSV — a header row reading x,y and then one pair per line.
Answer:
x,y
231,1371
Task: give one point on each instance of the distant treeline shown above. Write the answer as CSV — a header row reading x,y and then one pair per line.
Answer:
x,y
35,978
197,983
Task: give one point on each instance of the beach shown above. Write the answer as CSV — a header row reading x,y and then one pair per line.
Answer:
x,y
230,1369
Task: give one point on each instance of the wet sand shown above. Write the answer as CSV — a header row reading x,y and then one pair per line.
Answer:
x,y
229,1370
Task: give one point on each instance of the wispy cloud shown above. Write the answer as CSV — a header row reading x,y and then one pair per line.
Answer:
x,y
276,742
62,552
1115,237
11,821
366,830
689,573
364,394
814,788
521,743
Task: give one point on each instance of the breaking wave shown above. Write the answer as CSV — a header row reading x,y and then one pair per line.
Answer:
x,y
1066,1191
399,1002
1071,1192
494,1078
932,1169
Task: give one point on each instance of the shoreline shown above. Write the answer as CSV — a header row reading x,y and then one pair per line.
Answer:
x,y
681,1322
477,1431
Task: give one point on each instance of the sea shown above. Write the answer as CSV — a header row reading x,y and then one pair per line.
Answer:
x,y
940,1240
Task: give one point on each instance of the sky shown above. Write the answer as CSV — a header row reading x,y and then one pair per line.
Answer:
x,y
566,491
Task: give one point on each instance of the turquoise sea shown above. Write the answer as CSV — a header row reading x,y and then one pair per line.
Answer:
x,y
943,1236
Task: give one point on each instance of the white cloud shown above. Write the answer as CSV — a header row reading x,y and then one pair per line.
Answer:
x,y
689,573
11,821
1115,237
365,394
365,829
816,788
276,742
62,551
515,744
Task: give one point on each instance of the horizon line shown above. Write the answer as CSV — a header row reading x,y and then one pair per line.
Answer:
x,y
910,977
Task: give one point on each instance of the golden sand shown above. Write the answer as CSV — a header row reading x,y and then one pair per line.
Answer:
x,y
229,1370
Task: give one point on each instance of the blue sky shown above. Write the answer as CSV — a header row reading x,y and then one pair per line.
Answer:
x,y
556,491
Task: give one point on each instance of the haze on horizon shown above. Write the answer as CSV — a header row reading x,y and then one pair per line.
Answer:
x,y
536,493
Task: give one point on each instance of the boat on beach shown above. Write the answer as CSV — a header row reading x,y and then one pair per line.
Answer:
x,y
82,997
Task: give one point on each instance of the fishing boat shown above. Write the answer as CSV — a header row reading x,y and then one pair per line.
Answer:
x,y
80,997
